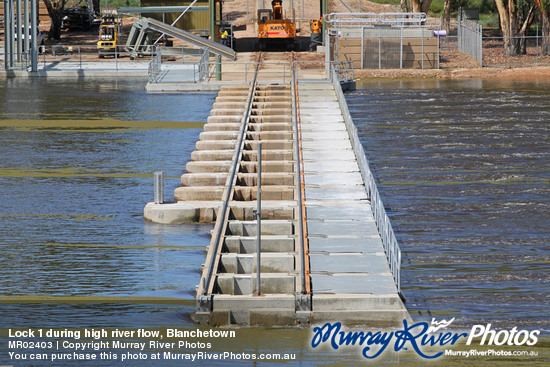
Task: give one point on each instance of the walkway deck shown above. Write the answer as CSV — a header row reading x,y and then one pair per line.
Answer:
x,y
346,274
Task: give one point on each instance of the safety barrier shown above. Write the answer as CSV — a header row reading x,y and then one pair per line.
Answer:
x,y
470,38
391,246
401,20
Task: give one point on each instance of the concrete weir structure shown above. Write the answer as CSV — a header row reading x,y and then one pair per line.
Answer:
x,y
326,249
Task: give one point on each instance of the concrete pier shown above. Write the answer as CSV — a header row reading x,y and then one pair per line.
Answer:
x,y
326,251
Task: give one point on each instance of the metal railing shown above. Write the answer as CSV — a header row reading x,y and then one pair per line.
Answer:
x,y
299,181
204,287
204,67
470,38
401,20
154,68
391,247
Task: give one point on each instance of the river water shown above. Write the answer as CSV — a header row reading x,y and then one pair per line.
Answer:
x,y
462,166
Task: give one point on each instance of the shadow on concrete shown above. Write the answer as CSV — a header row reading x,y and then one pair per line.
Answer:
x,y
251,44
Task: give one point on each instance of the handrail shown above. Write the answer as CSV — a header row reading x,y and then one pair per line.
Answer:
x,y
340,20
229,187
387,235
300,218
154,67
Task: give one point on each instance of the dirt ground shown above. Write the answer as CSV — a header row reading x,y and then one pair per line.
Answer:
x,y
453,63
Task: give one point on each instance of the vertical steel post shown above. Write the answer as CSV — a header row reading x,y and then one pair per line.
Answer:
x,y
26,25
537,44
9,36
422,49
259,221
401,50
19,31
6,35
362,47
379,48
159,187
34,32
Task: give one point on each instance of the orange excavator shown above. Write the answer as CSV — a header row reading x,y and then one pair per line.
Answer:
x,y
274,27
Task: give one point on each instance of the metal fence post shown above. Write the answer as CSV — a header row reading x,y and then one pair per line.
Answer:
x,y
259,221
159,187
401,50
422,49
79,57
537,44
379,48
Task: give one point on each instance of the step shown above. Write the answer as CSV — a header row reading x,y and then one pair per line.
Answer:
x,y
241,284
208,166
270,126
216,144
269,135
275,192
267,166
268,178
204,179
246,263
212,155
222,126
269,243
269,144
269,227
219,135
268,155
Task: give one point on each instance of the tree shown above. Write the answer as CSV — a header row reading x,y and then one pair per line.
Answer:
x,y
420,6
544,7
516,16
56,9
404,6
447,15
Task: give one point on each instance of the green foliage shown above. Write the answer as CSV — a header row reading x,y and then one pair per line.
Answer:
x,y
119,3
490,20
436,8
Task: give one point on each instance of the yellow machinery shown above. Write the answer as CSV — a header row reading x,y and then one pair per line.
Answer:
x,y
108,36
316,38
274,27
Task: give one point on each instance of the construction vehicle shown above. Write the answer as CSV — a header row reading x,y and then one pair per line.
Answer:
x,y
316,38
80,16
108,36
273,27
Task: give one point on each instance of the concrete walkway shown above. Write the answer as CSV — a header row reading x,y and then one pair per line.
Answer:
x,y
350,276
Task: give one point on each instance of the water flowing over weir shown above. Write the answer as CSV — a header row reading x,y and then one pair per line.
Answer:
x,y
296,239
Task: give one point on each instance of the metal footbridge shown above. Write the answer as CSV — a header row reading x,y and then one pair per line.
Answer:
x,y
140,38
300,234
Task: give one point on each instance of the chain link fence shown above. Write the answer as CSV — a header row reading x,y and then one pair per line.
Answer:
x,y
488,50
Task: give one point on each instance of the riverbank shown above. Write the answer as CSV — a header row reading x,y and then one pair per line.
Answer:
x,y
531,73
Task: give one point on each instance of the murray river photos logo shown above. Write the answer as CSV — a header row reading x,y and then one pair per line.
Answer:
x,y
416,336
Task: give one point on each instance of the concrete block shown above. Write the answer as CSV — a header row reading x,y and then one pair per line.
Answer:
x,y
269,227
208,166
247,245
246,263
212,155
219,135
179,213
216,145
199,193
222,126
